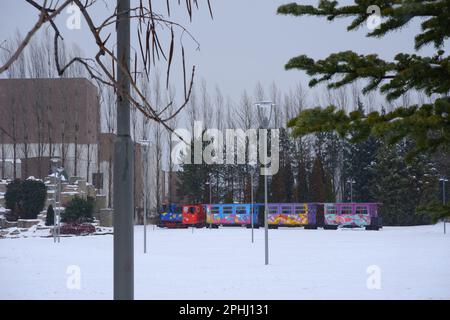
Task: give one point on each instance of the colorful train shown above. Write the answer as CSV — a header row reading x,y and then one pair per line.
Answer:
x,y
307,215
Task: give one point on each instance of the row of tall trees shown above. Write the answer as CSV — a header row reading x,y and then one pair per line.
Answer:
x,y
319,167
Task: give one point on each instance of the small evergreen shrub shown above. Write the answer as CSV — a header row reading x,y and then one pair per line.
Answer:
x,y
78,210
25,199
50,218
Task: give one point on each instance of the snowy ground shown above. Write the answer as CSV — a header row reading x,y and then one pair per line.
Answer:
x,y
223,264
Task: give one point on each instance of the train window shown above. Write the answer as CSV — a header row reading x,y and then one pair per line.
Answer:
x,y
241,210
286,210
330,210
227,210
361,210
191,210
177,210
300,210
346,210
273,210
215,210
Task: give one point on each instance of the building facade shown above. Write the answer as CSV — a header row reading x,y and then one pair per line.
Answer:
x,y
43,120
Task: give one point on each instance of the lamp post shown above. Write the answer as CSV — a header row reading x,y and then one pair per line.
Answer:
x,y
265,111
123,171
351,182
210,202
57,172
251,206
145,144
444,180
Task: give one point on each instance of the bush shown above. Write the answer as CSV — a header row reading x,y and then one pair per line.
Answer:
x,y
25,199
77,228
78,210
50,218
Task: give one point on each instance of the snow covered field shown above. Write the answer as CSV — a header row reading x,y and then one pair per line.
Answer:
x,y
223,264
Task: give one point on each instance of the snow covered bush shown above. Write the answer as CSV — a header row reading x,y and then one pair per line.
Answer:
x,y
25,199
78,210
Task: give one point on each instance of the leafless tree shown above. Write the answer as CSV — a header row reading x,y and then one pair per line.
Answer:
x,y
151,26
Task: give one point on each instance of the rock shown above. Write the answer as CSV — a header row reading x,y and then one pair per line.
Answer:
x,y
10,224
27,223
91,191
3,187
66,197
73,180
105,217
100,202
82,185
14,232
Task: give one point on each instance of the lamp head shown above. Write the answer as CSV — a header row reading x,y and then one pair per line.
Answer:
x,y
265,111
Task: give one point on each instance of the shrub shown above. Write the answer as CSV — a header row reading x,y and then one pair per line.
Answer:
x,y
78,210
50,218
25,199
77,228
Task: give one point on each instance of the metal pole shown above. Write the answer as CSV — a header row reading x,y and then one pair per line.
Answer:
x,y
59,208
145,197
252,211
123,166
266,224
210,208
55,211
443,200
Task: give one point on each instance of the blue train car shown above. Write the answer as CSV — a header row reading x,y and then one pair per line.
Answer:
x,y
171,216
232,214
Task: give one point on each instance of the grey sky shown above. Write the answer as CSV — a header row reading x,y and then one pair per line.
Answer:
x,y
246,42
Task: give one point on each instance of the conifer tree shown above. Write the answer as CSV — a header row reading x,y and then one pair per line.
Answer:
x,y
402,187
317,183
426,125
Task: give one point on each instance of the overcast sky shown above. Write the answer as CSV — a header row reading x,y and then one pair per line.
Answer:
x,y
245,43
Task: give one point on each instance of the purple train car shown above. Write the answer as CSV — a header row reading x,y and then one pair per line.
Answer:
x,y
292,215
352,215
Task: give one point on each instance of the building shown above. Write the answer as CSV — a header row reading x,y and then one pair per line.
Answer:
x,y
46,119
49,118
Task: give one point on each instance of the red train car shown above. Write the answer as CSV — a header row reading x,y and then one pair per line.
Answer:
x,y
194,215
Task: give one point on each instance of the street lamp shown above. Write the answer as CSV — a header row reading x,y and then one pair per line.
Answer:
x,y
210,202
58,174
444,180
251,206
351,182
145,144
265,111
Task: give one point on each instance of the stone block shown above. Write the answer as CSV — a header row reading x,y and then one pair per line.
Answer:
x,y
73,180
10,224
27,223
105,217
82,185
100,202
91,191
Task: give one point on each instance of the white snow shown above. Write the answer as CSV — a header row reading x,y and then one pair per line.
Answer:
x,y
224,264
